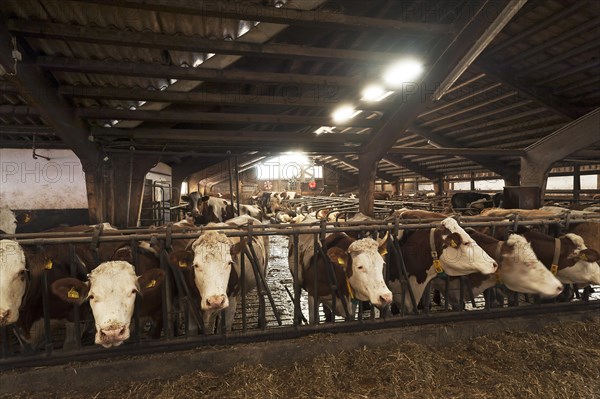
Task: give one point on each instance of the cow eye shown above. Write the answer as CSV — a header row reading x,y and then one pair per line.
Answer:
x,y
360,267
133,291
91,296
21,275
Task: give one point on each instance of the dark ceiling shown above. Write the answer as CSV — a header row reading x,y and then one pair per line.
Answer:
x,y
258,78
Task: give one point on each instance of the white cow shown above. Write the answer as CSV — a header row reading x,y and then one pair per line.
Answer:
x,y
358,267
458,254
216,263
519,270
13,281
111,289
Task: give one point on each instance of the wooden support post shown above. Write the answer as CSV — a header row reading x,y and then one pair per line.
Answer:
x,y
576,184
472,181
367,170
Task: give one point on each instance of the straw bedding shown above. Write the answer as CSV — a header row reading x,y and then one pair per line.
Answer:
x,y
560,361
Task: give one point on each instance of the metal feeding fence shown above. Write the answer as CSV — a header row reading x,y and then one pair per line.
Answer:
x,y
275,311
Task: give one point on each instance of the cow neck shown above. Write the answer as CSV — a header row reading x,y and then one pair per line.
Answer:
x,y
343,241
554,267
437,264
498,259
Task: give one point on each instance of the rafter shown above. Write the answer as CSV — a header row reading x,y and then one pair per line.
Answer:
x,y
88,34
176,72
525,89
381,174
33,85
176,116
288,16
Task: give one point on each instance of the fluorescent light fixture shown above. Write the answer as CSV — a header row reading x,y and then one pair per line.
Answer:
x,y
375,92
405,71
325,129
197,62
344,113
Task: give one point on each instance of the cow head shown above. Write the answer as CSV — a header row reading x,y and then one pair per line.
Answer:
x,y
212,257
8,221
364,270
193,200
522,271
460,254
581,262
111,289
13,281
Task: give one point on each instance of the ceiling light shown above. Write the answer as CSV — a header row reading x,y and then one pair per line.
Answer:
x,y
343,113
405,71
375,92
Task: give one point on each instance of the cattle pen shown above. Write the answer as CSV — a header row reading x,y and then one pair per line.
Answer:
x,y
276,311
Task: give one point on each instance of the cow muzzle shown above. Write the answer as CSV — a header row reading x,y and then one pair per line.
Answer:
x,y
215,302
7,317
112,336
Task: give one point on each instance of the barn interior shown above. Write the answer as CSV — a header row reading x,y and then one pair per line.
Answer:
x,y
385,95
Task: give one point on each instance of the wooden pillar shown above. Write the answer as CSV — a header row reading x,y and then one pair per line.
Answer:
x,y
367,170
472,181
576,183
438,185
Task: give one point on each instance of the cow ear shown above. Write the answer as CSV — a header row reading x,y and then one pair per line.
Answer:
x,y
338,257
70,290
151,280
453,240
124,254
588,255
182,259
238,247
205,198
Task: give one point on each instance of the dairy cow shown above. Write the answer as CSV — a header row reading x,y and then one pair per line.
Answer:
x,y
13,281
457,252
111,290
357,265
519,270
207,209
214,264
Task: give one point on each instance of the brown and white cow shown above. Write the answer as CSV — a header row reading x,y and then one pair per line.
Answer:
x,y
577,264
13,281
458,254
358,268
207,209
215,261
111,290
55,261
518,269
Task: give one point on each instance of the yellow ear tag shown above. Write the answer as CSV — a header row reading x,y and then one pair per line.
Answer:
x,y
27,218
453,244
554,269
182,264
437,265
583,257
73,293
151,284
48,265
341,262
383,251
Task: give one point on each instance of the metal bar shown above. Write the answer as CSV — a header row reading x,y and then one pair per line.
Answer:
x,y
46,310
244,291
283,333
297,310
73,271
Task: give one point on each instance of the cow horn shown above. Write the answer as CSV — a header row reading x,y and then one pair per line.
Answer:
x,y
384,239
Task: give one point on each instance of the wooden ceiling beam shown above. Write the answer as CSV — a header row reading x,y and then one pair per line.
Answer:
x,y
282,98
200,135
483,25
89,34
179,116
33,86
404,163
127,68
380,173
458,151
283,15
